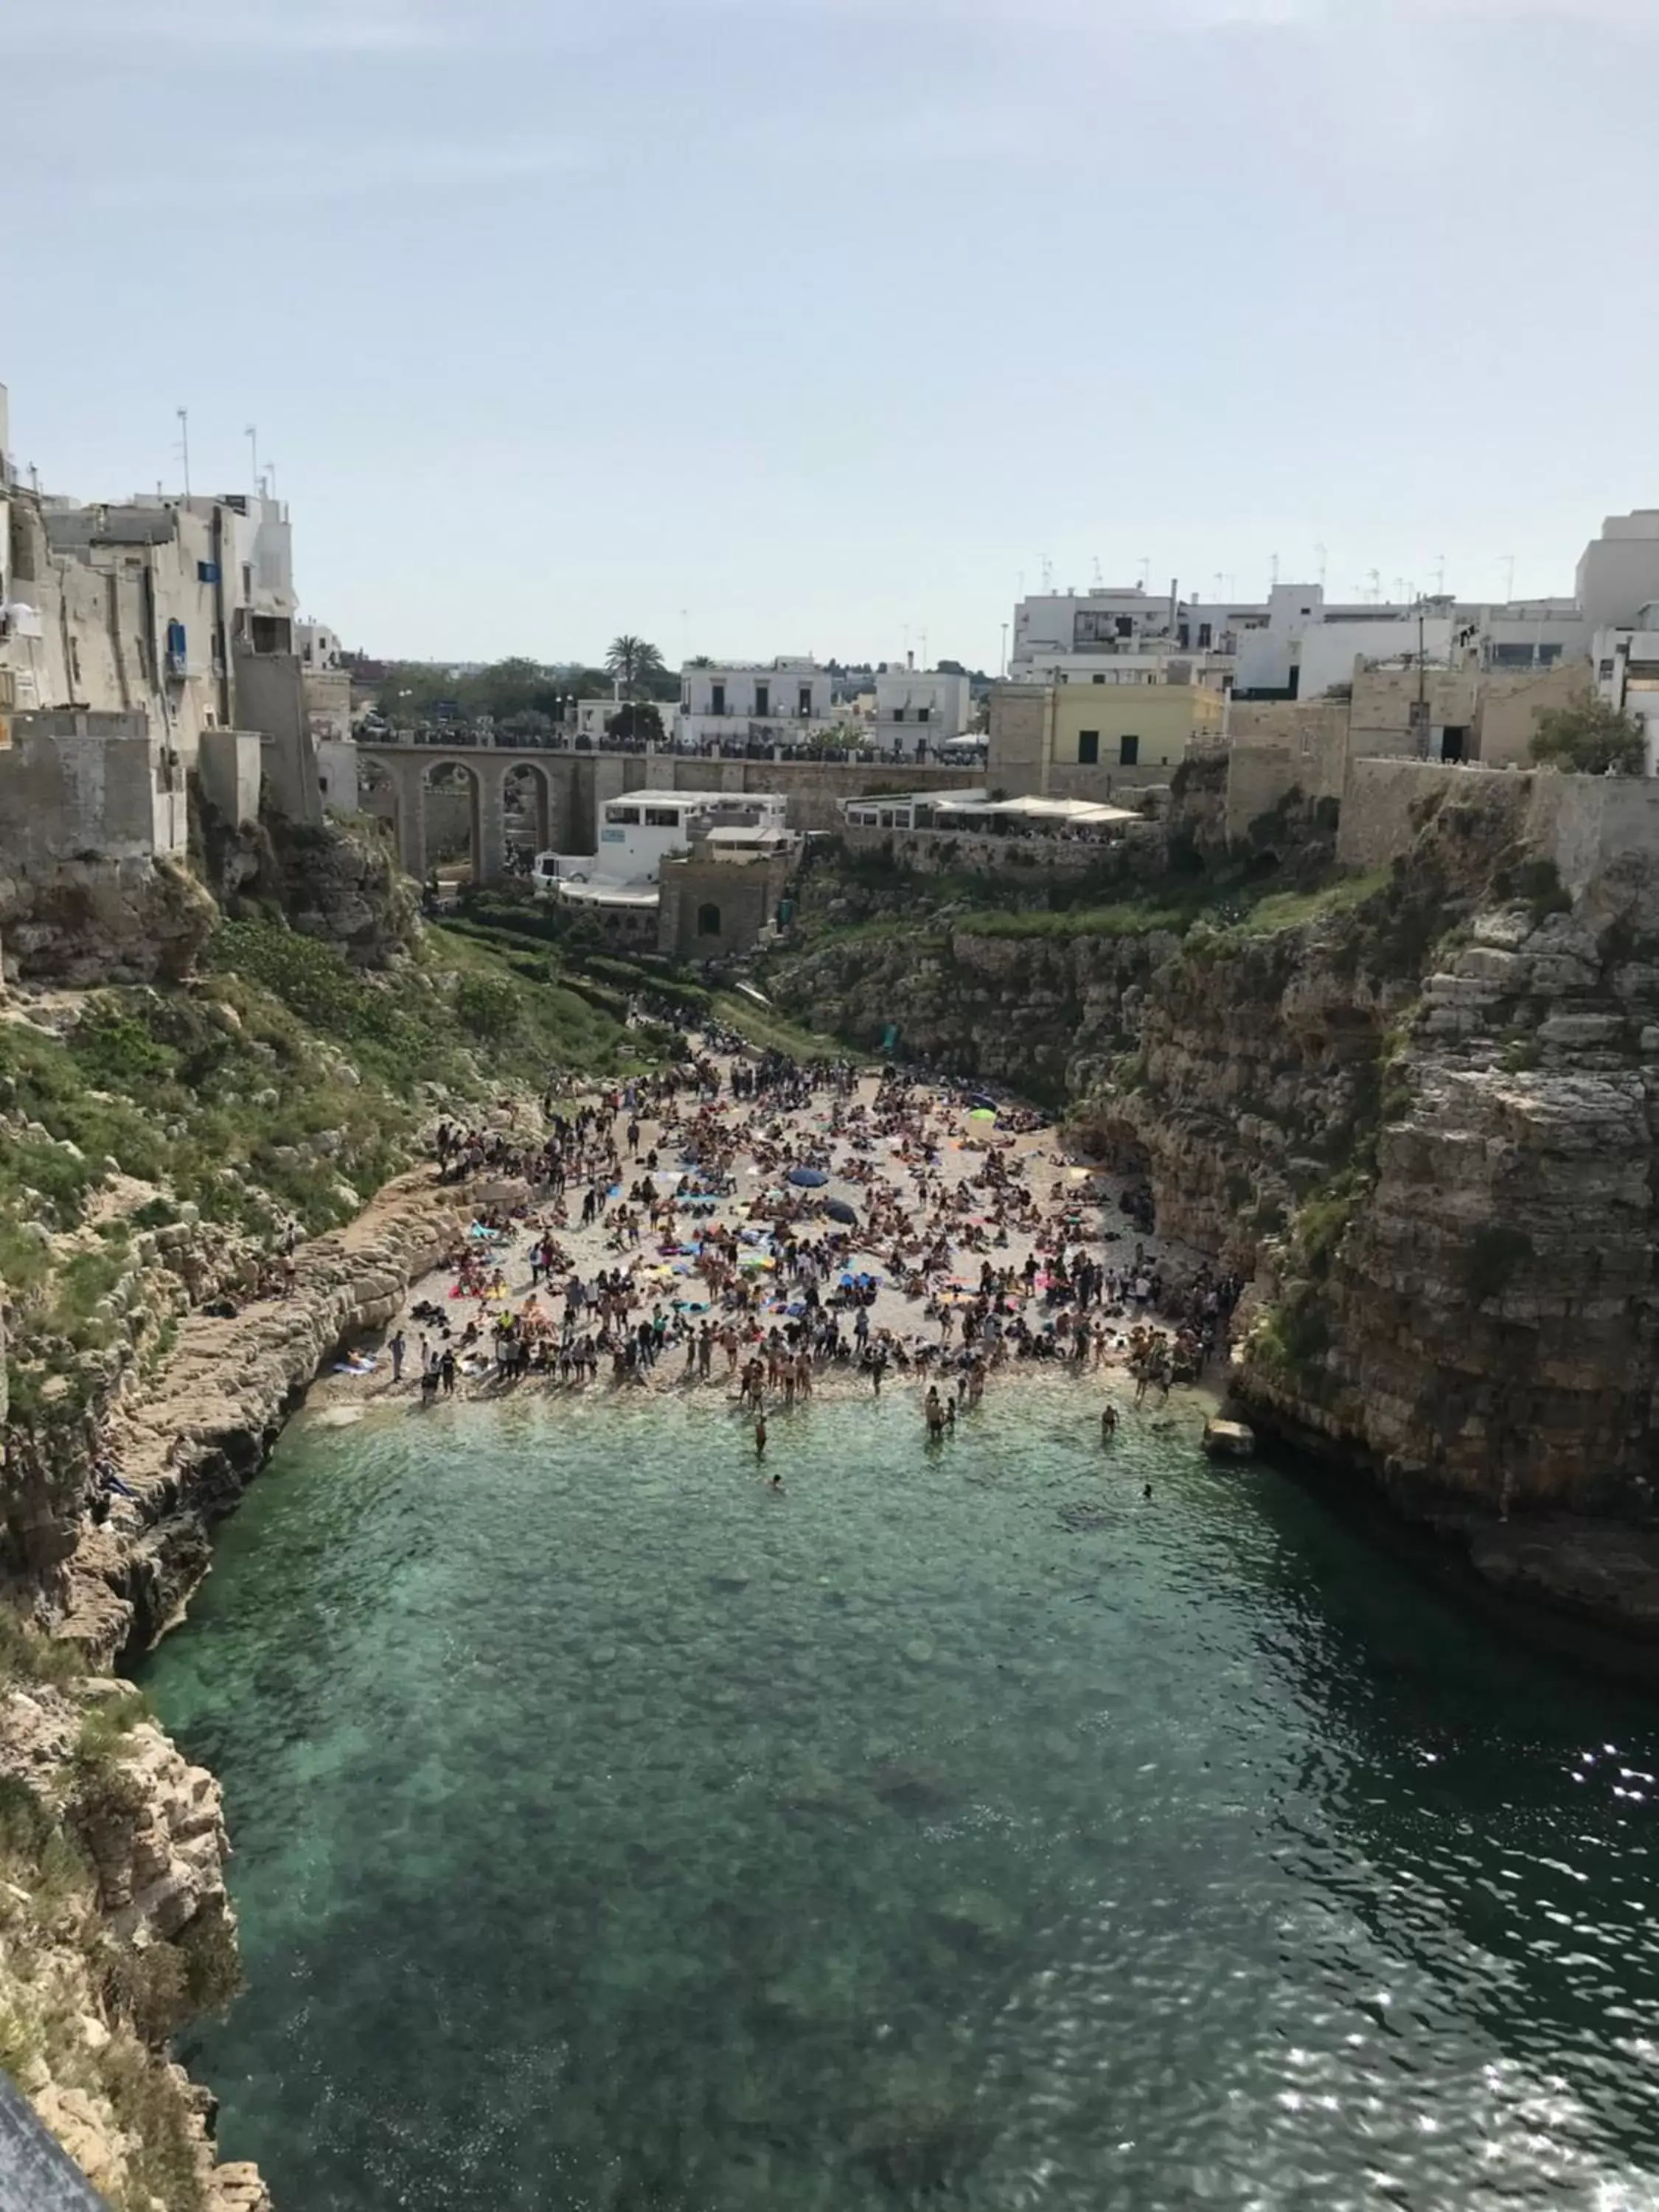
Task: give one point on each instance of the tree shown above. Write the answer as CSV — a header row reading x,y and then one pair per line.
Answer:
x,y
636,721
1591,738
634,662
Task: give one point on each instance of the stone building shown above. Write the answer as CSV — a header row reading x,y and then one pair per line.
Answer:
x,y
724,895
148,647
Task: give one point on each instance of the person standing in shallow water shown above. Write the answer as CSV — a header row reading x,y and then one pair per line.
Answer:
x,y
759,1436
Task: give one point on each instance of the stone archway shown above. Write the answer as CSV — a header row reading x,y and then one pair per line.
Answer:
x,y
528,812
451,811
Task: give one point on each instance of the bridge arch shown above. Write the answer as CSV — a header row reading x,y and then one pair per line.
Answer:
x,y
528,810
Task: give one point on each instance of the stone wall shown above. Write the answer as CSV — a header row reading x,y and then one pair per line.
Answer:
x,y
229,763
740,898
929,852
1384,803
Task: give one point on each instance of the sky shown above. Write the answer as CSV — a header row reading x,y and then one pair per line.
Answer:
x,y
767,327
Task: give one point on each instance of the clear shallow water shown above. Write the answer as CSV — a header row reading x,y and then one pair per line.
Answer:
x,y
958,1831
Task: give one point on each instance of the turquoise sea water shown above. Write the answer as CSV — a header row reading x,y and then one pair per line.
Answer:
x,y
959,1831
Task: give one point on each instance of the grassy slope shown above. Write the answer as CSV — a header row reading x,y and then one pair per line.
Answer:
x,y
282,1083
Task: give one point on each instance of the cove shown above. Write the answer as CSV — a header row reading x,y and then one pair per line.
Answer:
x,y
959,1830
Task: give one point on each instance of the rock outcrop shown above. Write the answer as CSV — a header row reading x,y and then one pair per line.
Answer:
x,y
95,922
1425,1126
114,1924
188,1448
1042,1013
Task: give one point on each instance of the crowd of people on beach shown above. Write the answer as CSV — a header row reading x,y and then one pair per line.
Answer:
x,y
771,1226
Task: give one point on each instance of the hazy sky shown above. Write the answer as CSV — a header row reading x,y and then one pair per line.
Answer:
x,y
779,326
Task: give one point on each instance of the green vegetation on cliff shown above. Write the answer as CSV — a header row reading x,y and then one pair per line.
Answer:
x,y
282,1083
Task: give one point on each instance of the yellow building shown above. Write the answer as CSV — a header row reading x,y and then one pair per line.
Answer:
x,y
1087,740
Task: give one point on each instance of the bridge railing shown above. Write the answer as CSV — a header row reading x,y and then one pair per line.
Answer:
x,y
465,740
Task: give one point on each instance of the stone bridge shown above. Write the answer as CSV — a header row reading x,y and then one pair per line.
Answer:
x,y
565,790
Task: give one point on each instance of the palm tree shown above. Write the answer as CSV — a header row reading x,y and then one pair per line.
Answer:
x,y
632,661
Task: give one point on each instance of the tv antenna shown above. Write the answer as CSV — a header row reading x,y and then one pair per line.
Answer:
x,y
1146,570
182,414
1509,575
1323,553
1273,573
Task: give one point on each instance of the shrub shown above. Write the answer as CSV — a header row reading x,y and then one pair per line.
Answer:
x,y
1591,738
488,1005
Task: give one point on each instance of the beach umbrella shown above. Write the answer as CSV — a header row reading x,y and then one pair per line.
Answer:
x,y
838,1210
808,1178
983,1114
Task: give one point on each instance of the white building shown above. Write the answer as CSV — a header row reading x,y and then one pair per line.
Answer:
x,y
643,828
318,647
920,707
1619,573
778,702
1627,674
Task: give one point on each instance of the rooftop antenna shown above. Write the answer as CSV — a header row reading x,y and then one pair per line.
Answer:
x,y
1098,579
1146,570
924,648
1440,575
1377,585
1217,583
1324,563
184,443
1048,574
252,436
1398,590
1273,571
1509,572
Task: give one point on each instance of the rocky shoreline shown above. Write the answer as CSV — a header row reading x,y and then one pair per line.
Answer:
x,y
190,1446
186,1447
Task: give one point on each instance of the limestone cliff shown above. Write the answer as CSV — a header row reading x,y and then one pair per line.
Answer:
x,y
1044,1012
1424,1123
114,1926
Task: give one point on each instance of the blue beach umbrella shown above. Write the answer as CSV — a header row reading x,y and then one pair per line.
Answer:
x,y
807,1178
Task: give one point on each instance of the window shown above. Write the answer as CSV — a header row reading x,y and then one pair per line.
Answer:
x,y
762,699
898,714
717,698
1126,627
1604,670
1128,751
806,701
924,714
709,920
1100,679
622,813
1088,748
662,817
1203,635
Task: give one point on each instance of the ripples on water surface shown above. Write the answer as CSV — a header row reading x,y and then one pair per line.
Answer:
x,y
958,1831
